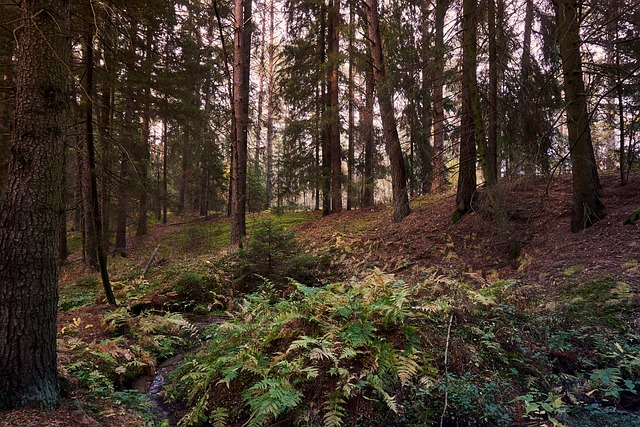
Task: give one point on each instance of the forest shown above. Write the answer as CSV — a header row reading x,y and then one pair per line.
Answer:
x,y
319,213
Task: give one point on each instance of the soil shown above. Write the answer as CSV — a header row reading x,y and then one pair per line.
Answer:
x,y
519,231
525,235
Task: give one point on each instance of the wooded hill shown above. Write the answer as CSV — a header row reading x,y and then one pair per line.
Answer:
x,y
488,128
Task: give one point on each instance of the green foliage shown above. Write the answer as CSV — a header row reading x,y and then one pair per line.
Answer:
x,y
333,344
113,363
191,285
82,292
272,252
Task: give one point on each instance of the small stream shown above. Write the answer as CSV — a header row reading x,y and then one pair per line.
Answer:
x,y
161,409
153,386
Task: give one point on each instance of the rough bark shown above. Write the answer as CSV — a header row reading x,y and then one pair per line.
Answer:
x,y
30,213
392,141
587,207
467,162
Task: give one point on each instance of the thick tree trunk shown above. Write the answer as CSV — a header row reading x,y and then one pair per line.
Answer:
x,y
30,213
392,141
587,207
467,163
438,182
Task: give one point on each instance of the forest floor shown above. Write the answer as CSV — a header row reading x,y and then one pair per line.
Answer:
x,y
518,232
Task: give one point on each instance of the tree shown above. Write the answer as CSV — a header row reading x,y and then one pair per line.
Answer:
x,y
30,212
438,180
587,207
366,125
392,141
468,136
334,106
241,55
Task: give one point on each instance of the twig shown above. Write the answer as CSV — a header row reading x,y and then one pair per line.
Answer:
x,y
446,366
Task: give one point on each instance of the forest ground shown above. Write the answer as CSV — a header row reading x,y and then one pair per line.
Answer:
x,y
519,232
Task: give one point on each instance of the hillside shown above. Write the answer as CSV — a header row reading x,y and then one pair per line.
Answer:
x,y
515,250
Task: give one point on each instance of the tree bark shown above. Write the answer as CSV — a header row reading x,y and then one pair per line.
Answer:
x,y
587,207
438,182
351,94
30,212
368,199
94,206
268,161
392,141
325,122
467,163
492,122
334,106
241,62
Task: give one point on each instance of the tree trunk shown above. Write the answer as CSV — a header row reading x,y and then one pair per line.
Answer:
x,y
467,163
30,212
351,94
587,207
492,123
438,182
325,122
63,247
392,142
334,106
94,206
241,55
144,156
270,105
165,182
368,199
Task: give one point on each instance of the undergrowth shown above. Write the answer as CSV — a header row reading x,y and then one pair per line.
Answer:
x,y
134,346
372,352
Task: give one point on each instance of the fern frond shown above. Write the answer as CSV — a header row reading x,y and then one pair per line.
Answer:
x,y
219,417
407,368
334,415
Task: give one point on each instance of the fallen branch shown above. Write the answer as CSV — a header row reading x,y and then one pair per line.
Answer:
x,y
155,252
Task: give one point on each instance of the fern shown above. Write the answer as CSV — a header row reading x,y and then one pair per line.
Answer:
x,y
334,415
407,368
271,397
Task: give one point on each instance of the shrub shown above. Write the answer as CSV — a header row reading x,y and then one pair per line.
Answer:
x,y
272,252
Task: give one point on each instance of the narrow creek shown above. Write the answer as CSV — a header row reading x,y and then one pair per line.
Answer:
x,y
153,386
